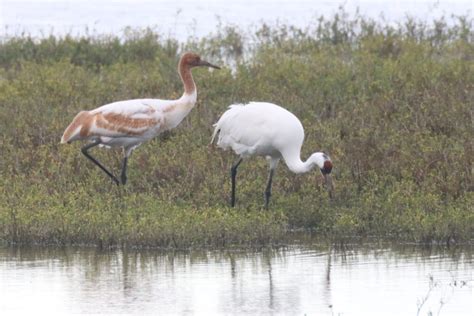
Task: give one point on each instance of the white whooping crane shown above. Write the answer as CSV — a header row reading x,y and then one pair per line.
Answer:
x,y
266,129
129,123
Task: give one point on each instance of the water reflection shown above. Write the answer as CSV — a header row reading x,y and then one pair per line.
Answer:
x,y
296,280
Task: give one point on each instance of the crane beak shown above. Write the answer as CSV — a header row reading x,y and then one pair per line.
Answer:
x,y
208,64
326,172
329,185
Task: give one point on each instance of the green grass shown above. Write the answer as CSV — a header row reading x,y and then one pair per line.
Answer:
x,y
391,105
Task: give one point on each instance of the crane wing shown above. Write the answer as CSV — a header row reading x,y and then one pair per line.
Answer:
x,y
242,130
259,128
131,118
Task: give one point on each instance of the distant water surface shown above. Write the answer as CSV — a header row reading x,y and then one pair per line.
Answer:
x,y
185,18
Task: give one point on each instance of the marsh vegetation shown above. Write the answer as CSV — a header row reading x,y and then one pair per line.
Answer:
x,y
392,105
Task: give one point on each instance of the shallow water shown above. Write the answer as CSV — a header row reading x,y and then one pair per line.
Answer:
x,y
294,281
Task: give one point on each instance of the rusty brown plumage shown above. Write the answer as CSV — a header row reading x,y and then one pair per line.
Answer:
x,y
83,120
124,124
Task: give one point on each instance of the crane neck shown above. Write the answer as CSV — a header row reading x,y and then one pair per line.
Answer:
x,y
296,165
184,71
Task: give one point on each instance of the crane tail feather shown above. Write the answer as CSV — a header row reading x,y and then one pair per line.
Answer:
x,y
221,123
79,126
214,134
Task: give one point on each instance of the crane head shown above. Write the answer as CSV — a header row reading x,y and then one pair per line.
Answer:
x,y
325,166
194,60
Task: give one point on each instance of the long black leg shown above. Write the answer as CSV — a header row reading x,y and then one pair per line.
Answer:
x,y
268,190
86,153
233,173
123,175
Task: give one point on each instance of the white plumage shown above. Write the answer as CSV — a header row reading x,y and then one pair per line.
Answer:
x,y
268,130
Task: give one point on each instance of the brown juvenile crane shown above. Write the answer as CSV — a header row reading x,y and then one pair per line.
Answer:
x,y
129,123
